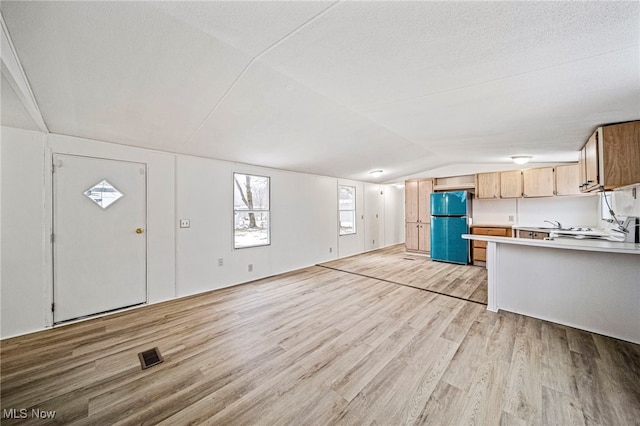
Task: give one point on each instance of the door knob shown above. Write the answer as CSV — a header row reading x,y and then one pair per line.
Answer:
x,y
139,231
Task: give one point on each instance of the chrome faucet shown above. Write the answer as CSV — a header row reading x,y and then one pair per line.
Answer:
x,y
555,223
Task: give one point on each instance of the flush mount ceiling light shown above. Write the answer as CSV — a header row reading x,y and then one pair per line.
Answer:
x,y
521,159
375,173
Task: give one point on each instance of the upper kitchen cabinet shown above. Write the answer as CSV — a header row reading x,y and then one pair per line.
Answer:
x,y
589,160
417,199
511,184
611,157
411,201
488,185
425,188
539,182
568,179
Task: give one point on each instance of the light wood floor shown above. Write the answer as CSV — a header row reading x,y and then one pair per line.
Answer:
x,y
320,346
394,264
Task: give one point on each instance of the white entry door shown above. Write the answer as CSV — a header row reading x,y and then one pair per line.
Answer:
x,y
99,241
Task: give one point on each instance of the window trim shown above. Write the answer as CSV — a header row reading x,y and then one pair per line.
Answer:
x,y
354,210
233,218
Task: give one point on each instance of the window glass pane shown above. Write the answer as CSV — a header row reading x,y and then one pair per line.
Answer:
x,y
103,194
251,211
346,198
250,192
251,229
606,205
347,209
347,222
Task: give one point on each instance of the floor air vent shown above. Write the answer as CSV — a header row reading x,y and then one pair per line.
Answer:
x,y
150,358
408,258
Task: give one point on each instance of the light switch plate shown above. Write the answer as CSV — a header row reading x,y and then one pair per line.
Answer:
x,y
185,223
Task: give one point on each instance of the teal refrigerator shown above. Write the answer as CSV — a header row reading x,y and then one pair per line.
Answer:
x,y
449,220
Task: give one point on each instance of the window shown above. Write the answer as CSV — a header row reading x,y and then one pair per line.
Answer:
x,y
605,206
347,209
250,211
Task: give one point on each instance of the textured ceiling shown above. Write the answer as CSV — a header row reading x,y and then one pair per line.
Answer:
x,y
333,88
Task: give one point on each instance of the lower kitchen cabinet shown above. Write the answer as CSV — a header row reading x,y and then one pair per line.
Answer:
x,y
418,237
535,235
479,248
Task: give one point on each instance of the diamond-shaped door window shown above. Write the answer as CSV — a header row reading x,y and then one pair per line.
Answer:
x,y
103,194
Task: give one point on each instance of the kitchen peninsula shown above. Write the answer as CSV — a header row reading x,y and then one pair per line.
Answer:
x,y
593,285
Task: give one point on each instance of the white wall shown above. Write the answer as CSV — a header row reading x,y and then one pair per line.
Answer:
x,y
494,212
304,223
580,210
374,216
394,228
23,285
624,202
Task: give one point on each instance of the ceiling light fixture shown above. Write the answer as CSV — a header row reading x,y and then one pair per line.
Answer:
x,y
375,173
521,159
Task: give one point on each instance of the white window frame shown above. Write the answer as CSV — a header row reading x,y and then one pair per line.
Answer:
x,y
353,210
252,211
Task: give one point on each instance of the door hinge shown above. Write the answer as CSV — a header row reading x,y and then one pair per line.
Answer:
x,y
52,237
53,307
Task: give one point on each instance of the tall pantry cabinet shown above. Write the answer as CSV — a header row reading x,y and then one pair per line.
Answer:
x,y
417,208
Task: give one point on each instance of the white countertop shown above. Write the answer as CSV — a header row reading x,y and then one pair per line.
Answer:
x,y
592,232
563,243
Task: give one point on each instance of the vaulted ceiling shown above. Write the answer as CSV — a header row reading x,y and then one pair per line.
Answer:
x,y
331,88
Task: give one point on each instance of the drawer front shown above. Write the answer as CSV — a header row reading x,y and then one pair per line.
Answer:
x,y
479,244
497,232
480,254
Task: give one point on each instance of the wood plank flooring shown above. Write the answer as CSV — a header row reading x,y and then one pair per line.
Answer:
x,y
320,346
397,266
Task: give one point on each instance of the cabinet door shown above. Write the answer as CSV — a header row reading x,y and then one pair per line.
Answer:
x,y
620,145
488,185
568,179
539,182
591,161
411,201
582,164
540,235
511,184
424,237
411,236
425,188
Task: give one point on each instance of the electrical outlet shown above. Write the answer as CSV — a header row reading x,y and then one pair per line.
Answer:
x,y
250,267
510,218
220,262
330,249
185,223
